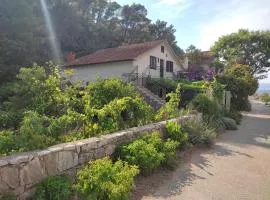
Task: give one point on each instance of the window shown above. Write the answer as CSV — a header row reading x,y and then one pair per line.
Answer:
x,y
162,49
153,62
169,66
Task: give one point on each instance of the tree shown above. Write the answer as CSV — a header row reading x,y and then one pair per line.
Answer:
x,y
134,23
81,26
160,31
193,54
22,41
246,47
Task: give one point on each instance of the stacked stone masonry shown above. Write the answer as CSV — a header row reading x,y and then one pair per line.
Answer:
x,y
20,173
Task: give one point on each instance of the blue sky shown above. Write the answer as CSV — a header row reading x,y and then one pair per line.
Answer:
x,y
202,22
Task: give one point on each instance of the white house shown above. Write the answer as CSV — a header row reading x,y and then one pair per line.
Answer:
x,y
156,59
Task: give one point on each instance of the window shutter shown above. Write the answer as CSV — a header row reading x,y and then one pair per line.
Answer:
x,y
153,62
167,66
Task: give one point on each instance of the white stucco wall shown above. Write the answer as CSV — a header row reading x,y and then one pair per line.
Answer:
x,y
90,73
143,62
105,70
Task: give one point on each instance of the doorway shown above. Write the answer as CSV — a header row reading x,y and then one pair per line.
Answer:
x,y
161,68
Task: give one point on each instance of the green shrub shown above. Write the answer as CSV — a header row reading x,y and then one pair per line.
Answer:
x,y
8,198
7,142
175,132
118,114
102,92
43,108
102,179
265,97
171,108
229,123
218,91
199,133
11,142
149,152
209,108
54,188
144,153
240,81
33,123
31,141
234,114
169,149
170,85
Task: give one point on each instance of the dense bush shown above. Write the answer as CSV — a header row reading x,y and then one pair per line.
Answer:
x,y
234,114
42,108
54,188
188,89
118,114
208,107
229,123
171,108
39,91
143,153
199,132
102,179
8,198
241,82
167,147
102,92
11,142
7,141
265,97
217,91
149,152
170,85
175,132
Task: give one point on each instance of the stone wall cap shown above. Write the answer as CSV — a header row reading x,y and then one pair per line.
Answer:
x,y
3,163
17,159
55,148
44,152
70,147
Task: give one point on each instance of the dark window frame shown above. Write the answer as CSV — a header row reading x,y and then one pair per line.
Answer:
x,y
162,49
153,62
169,66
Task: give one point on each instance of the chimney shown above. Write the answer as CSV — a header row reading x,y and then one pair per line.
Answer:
x,y
70,57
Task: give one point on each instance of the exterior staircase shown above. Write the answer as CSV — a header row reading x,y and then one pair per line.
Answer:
x,y
150,97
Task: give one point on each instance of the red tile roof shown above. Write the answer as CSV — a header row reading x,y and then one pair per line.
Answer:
x,y
122,53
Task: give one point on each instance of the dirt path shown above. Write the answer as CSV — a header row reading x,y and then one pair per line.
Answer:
x,y
237,167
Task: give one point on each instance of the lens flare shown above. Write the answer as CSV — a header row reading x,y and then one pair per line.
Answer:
x,y
53,40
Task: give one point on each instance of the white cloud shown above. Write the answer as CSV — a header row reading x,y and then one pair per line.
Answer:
x,y
250,14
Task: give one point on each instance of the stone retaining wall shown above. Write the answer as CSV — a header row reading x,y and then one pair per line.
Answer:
x,y
21,172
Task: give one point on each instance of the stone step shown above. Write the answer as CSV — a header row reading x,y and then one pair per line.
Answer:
x,y
150,97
